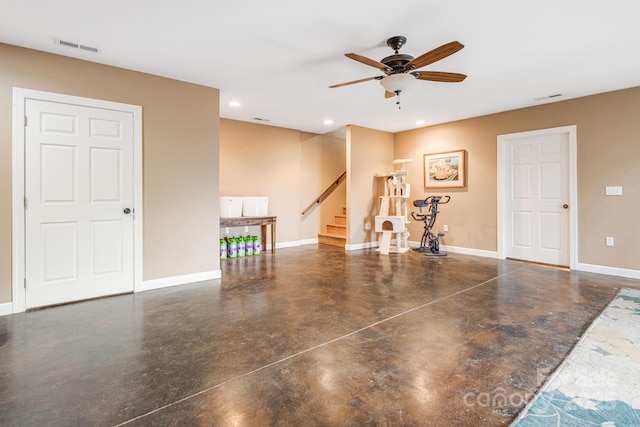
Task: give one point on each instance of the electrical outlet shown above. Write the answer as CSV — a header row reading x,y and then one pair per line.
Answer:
x,y
613,191
609,241
226,230
445,227
246,229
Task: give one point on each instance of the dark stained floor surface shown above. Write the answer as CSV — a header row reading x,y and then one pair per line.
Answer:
x,y
308,336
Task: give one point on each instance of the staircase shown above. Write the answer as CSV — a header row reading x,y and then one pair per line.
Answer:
x,y
336,234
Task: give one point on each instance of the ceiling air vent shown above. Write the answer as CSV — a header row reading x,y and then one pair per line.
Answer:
x,y
77,46
542,98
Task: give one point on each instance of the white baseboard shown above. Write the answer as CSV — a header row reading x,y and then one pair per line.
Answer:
x,y
412,244
468,251
166,282
6,308
611,271
293,244
358,246
459,250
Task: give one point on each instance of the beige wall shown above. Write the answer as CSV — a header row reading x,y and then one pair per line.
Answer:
x,y
290,167
323,161
472,212
259,160
608,132
181,176
369,152
310,185
180,150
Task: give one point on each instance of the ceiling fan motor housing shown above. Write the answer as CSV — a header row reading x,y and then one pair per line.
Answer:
x,y
397,62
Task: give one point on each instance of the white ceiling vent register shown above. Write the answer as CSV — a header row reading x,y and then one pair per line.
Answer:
x,y
77,46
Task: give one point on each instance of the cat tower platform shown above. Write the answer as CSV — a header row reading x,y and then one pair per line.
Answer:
x,y
391,221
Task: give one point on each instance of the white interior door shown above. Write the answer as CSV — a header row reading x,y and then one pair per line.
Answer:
x,y
537,198
78,187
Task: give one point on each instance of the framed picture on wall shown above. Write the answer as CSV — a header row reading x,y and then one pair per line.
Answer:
x,y
444,170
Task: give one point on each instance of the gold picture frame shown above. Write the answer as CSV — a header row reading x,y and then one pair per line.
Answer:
x,y
445,170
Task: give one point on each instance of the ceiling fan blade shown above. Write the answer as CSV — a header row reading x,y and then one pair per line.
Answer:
x,y
439,76
435,55
355,81
388,94
366,61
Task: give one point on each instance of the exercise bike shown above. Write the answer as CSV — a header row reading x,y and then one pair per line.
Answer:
x,y
430,241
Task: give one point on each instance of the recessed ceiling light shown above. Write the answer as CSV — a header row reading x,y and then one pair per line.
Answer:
x,y
420,122
234,103
328,122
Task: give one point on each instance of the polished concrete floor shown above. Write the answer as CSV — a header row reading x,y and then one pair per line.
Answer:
x,y
308,336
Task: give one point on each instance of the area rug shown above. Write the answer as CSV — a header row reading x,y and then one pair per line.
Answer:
x,y
598,384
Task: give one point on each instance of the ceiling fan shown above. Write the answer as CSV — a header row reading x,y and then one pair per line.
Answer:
x,y
401,70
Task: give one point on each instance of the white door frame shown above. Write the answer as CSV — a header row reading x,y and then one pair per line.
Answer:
x,y
20,96
503,145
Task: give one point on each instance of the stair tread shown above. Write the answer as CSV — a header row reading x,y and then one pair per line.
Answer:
x,y
337,225
332,239
342,236
340,219
337,229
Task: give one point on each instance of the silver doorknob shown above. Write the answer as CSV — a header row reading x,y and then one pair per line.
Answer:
x,y
127,211
566,206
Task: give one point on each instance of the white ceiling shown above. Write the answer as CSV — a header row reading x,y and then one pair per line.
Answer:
x,y
278,57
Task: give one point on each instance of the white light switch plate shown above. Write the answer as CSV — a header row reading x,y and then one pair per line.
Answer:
x,y
613,191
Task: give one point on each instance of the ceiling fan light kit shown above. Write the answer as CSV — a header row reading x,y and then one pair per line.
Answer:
x,y
396,83
399,68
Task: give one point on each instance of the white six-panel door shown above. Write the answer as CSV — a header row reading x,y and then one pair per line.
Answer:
x,y
537,198
78,186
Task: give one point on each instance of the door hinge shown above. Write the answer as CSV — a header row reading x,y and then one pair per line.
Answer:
x,y
26,203
25,283
25,121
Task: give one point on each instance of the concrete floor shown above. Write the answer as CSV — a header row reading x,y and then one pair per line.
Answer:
x,y
309,336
